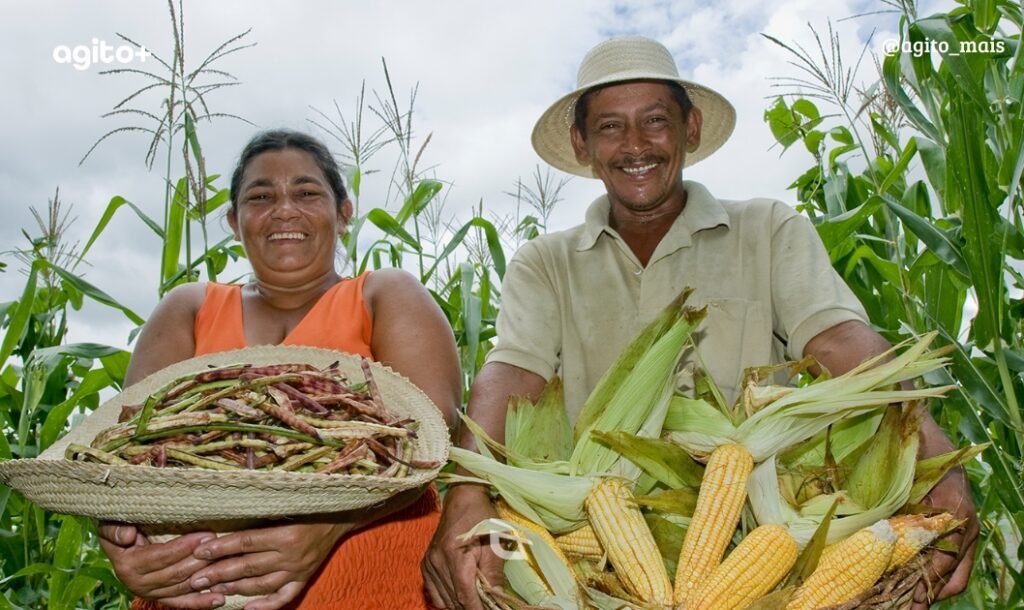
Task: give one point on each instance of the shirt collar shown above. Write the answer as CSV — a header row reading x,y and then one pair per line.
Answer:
x,y
702,211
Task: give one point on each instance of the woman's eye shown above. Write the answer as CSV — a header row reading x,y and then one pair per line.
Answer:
x,y
258,197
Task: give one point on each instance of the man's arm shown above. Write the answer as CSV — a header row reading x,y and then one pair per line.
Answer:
x,y
840,349
450,566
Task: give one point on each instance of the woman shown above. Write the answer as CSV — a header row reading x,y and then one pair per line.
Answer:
x,y
288,207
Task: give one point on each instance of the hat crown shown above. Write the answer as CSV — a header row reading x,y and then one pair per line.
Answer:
x,y
624,58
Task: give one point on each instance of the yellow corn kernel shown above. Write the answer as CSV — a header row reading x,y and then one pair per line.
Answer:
x,y
631,549
581,542
916,532
756,565
719,503
852,567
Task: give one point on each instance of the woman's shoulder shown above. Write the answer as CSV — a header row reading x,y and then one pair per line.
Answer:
x,y
185,298
390,281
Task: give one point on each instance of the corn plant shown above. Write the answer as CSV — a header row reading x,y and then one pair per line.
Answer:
x,y
174,128
916,193
461,263
49,560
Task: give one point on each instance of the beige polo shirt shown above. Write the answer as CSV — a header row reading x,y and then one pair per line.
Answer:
x,y
572,300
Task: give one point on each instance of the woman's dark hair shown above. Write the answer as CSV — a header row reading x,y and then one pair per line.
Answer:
x,y
583,103
282,139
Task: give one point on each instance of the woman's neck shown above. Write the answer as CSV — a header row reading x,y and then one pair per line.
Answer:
x,y
294,296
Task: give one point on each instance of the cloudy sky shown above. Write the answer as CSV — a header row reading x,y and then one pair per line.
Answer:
x,y
485,71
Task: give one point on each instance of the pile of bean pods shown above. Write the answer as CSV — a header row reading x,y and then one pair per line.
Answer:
x,y
285,417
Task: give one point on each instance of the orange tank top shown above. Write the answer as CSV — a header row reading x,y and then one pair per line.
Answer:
x,y
377,567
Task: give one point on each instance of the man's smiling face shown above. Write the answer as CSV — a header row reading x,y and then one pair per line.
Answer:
x,y
636,142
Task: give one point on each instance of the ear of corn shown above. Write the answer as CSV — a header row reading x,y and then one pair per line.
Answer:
x,y
507,513
718,511
847,568
756,565
581,542
624,535
914,532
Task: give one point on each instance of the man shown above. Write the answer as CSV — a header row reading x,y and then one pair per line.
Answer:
x,y
572,300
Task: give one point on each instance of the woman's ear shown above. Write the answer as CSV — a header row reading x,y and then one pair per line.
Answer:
x,y
345,211
233,223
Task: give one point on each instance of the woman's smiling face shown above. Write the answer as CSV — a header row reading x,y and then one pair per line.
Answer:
x,y
287,216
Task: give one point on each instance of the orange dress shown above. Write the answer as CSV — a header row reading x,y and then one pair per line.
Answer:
x,y
377,567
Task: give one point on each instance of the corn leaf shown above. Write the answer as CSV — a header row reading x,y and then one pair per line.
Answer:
x,y
676,501
930,471
665,461
668,535
807,561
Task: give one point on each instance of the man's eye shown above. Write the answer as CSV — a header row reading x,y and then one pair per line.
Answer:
x,y
258,197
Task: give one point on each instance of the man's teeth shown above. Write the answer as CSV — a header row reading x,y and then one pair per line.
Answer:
x,y
639,170
276,236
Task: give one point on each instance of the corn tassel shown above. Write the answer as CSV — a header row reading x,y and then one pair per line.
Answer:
x,y
624,534
722,492
847,568
750,571
581,542
916,532
507,513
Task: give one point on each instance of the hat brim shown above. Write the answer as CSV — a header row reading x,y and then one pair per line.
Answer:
x,y
551,133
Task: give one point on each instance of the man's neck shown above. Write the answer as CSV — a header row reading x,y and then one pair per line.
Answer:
x,y
643,231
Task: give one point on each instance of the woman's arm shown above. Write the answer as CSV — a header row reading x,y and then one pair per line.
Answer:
x,y
412,336
169,334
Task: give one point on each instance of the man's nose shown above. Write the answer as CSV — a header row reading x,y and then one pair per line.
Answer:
x,y
635,140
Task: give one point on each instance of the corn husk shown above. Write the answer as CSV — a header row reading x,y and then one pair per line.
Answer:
x,y
606,388
801,413
640,402
534,572
539,432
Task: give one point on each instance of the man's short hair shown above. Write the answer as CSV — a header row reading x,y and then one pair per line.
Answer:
x,y
583,103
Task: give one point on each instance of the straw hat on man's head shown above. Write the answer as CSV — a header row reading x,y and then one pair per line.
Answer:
x,y
619,60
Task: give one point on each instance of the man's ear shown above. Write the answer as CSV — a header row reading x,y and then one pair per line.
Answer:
x,y
579,145
694,121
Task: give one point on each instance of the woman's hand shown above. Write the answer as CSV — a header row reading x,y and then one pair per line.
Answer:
x,y
158,571
279,560
276,561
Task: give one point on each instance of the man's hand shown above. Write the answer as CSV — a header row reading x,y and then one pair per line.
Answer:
x,y
275,561
159,572
450,566
948,574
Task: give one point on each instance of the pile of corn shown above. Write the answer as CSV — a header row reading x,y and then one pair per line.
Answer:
x,y
286,417
638,504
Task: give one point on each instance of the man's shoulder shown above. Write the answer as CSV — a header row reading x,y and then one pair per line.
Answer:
x,y
764,211
553,243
